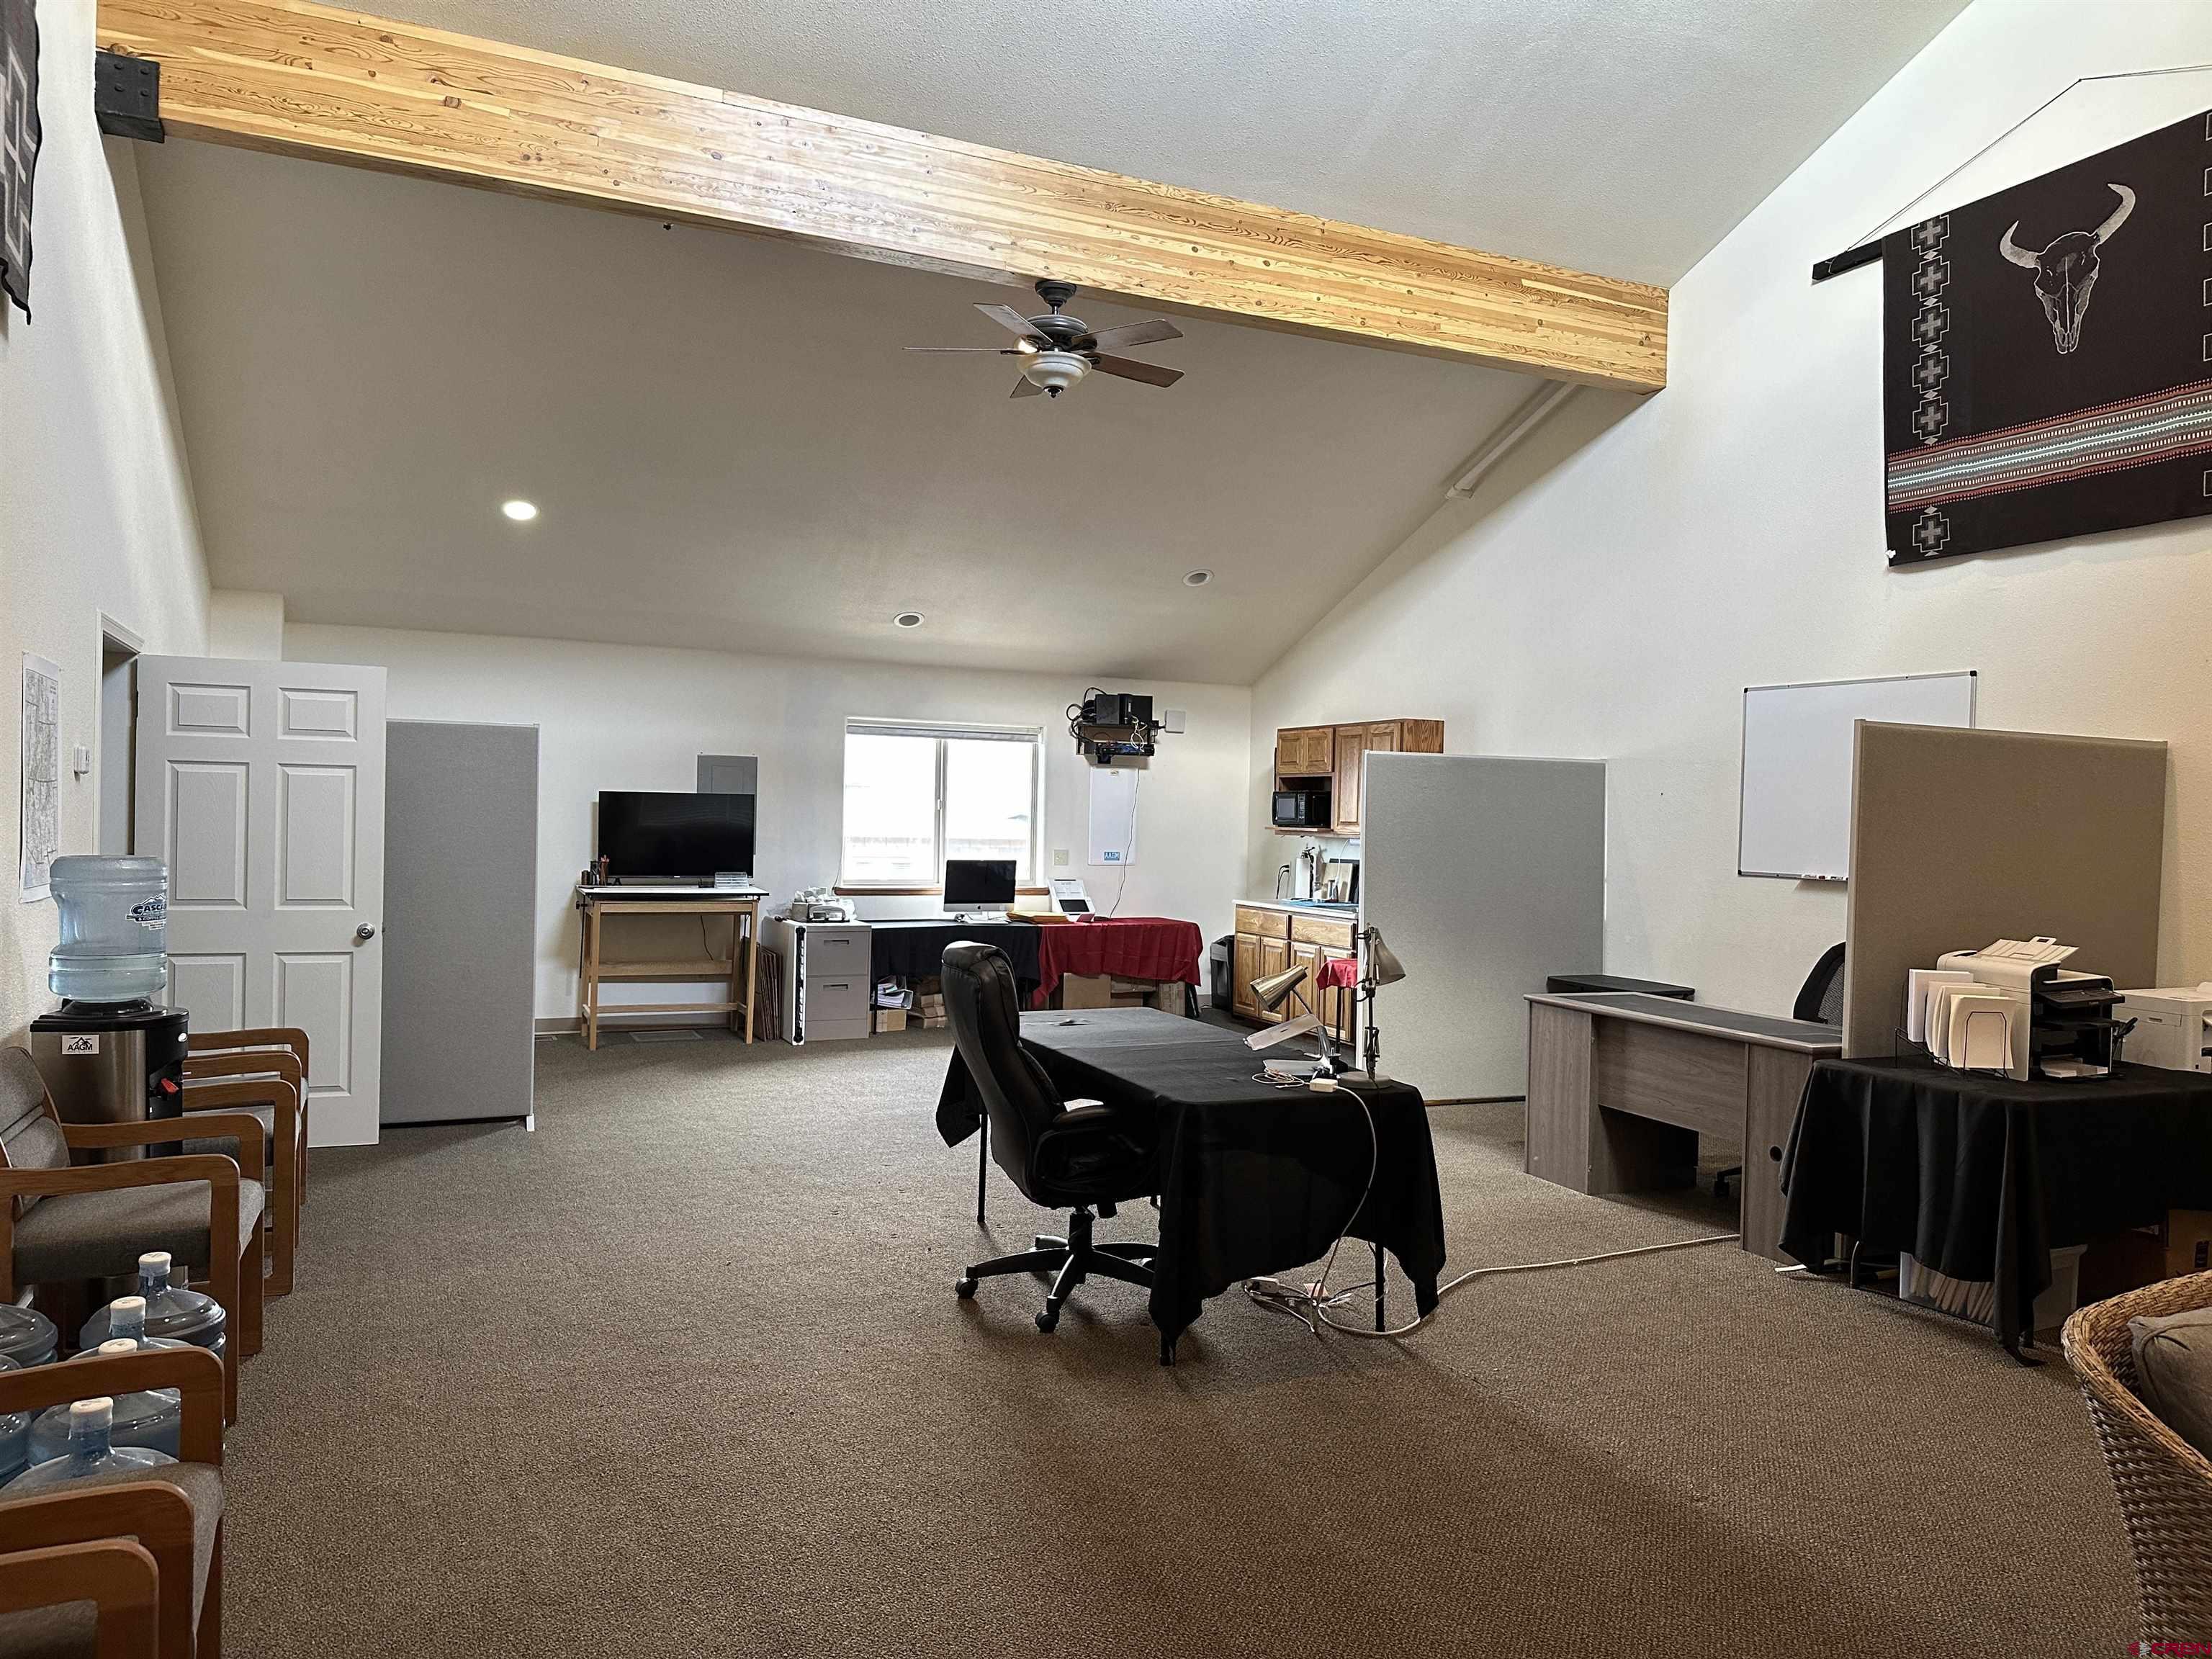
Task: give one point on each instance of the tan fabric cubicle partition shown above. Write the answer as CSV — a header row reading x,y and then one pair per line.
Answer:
x,y
1962,836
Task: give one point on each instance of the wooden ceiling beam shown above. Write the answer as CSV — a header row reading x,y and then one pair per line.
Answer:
x,y
301,79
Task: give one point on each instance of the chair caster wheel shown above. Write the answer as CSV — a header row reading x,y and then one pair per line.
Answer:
x,y
965,1290
1048,1319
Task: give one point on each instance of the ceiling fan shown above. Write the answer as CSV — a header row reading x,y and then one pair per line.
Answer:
x,y
1058,351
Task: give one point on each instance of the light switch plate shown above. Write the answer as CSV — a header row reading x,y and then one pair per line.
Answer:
x,y
1059,857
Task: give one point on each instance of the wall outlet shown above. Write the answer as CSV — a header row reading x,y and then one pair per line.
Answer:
x,y
1059,857
1174,719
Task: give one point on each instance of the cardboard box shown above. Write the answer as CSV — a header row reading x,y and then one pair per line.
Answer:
x,y
2188,1241
1085,991
891,1019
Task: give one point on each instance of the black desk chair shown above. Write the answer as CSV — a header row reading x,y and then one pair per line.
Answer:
x,y
1822,996
1079,1154
1819,998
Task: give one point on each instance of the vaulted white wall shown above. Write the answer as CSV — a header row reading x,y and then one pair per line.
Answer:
x,y
95,504
621,717
1614,586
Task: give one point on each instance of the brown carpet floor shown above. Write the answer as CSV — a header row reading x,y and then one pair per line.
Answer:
x,y
682,1372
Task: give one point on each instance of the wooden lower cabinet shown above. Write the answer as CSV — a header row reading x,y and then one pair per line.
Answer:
x,y
1255,958
1268,941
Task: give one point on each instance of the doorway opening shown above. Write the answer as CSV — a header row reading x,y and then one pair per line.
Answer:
x,y
120,648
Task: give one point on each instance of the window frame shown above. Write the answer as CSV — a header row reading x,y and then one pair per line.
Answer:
x,y
941,731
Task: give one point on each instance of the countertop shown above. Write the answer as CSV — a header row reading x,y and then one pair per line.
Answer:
x,y
1303,908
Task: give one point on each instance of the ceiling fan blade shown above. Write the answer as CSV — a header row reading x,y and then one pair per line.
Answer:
x,y
1007,318
987,351
1136,334
1025,387
1130,369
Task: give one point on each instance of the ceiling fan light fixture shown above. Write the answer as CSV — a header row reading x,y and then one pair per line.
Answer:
x,y
1053,371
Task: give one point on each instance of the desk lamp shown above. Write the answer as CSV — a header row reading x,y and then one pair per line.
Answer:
x,y
1272,991
1380,967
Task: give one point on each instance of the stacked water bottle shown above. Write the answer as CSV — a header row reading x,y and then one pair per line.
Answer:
x,y
106,1433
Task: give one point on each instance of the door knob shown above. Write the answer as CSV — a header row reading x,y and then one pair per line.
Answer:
x,y
366,931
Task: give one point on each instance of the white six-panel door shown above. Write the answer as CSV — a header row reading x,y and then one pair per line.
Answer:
x,y
261,785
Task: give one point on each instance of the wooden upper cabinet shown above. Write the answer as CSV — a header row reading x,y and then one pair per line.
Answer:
x,y
1334,752
1350,750
1305,751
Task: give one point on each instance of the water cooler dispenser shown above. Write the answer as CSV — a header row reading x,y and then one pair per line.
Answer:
x,y
108,1054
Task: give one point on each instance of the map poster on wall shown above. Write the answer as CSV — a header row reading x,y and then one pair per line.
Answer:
x,y
2047,355
42,774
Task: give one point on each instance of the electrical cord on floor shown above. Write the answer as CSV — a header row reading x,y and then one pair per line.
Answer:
x,y
1311,1304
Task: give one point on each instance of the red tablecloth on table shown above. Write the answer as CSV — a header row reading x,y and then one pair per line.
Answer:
x,y
1135,947
1340,974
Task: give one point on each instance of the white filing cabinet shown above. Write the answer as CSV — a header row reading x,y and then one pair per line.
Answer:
x,y
827,984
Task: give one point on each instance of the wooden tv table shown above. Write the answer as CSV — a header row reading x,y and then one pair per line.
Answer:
x,y
605,908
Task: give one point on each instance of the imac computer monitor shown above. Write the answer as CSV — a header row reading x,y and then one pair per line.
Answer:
x,y
978,884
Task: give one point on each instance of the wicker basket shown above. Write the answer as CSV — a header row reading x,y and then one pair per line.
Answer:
x,y
2164,1484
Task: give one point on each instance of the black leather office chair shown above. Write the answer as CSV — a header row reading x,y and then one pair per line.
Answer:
x,y
1819,998
1079,1154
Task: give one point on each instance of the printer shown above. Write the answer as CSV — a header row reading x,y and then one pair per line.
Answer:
x,y
2010,1007
2173,1026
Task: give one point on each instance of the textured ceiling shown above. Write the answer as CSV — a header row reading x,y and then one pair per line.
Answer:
x,y
730,450
1624,136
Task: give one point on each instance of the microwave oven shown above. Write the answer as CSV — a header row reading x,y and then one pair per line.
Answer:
x,y
1302,809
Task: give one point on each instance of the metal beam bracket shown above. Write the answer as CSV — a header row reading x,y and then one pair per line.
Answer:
x,y
126,96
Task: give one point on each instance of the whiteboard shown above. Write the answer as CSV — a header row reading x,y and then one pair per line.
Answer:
x,y
1795,820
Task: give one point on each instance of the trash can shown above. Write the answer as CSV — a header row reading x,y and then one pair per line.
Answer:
x,y
1221,972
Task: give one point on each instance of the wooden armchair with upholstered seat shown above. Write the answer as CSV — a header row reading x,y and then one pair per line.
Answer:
x,y
174,1514
95,1598
215,1057
60,1222
274,1099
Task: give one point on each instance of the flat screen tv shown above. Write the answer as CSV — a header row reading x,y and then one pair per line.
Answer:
x,y
647,835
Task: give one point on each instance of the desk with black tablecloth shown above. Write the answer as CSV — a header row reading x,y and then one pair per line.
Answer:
x,y
916,949
1254,1179
1979,1176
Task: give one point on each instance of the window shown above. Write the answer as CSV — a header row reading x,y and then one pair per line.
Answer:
x,y
917,795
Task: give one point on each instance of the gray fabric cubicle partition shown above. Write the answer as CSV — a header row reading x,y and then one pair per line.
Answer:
x,y
1484,875
460,852
1960,837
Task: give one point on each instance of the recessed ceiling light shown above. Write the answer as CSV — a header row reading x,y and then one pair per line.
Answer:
x,y
520,511
1197,578
906,619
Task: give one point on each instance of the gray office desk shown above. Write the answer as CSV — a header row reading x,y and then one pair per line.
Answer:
x,y
1621,1084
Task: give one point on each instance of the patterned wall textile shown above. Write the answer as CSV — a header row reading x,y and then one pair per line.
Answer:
x,y
19,144
2047,355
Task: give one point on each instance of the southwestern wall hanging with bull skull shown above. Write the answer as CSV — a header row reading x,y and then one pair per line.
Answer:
x,y
2047,355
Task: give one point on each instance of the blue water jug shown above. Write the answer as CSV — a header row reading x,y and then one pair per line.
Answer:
x,y
28,1337
114,929
90,1453
15,1436
173,1308
151,1418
